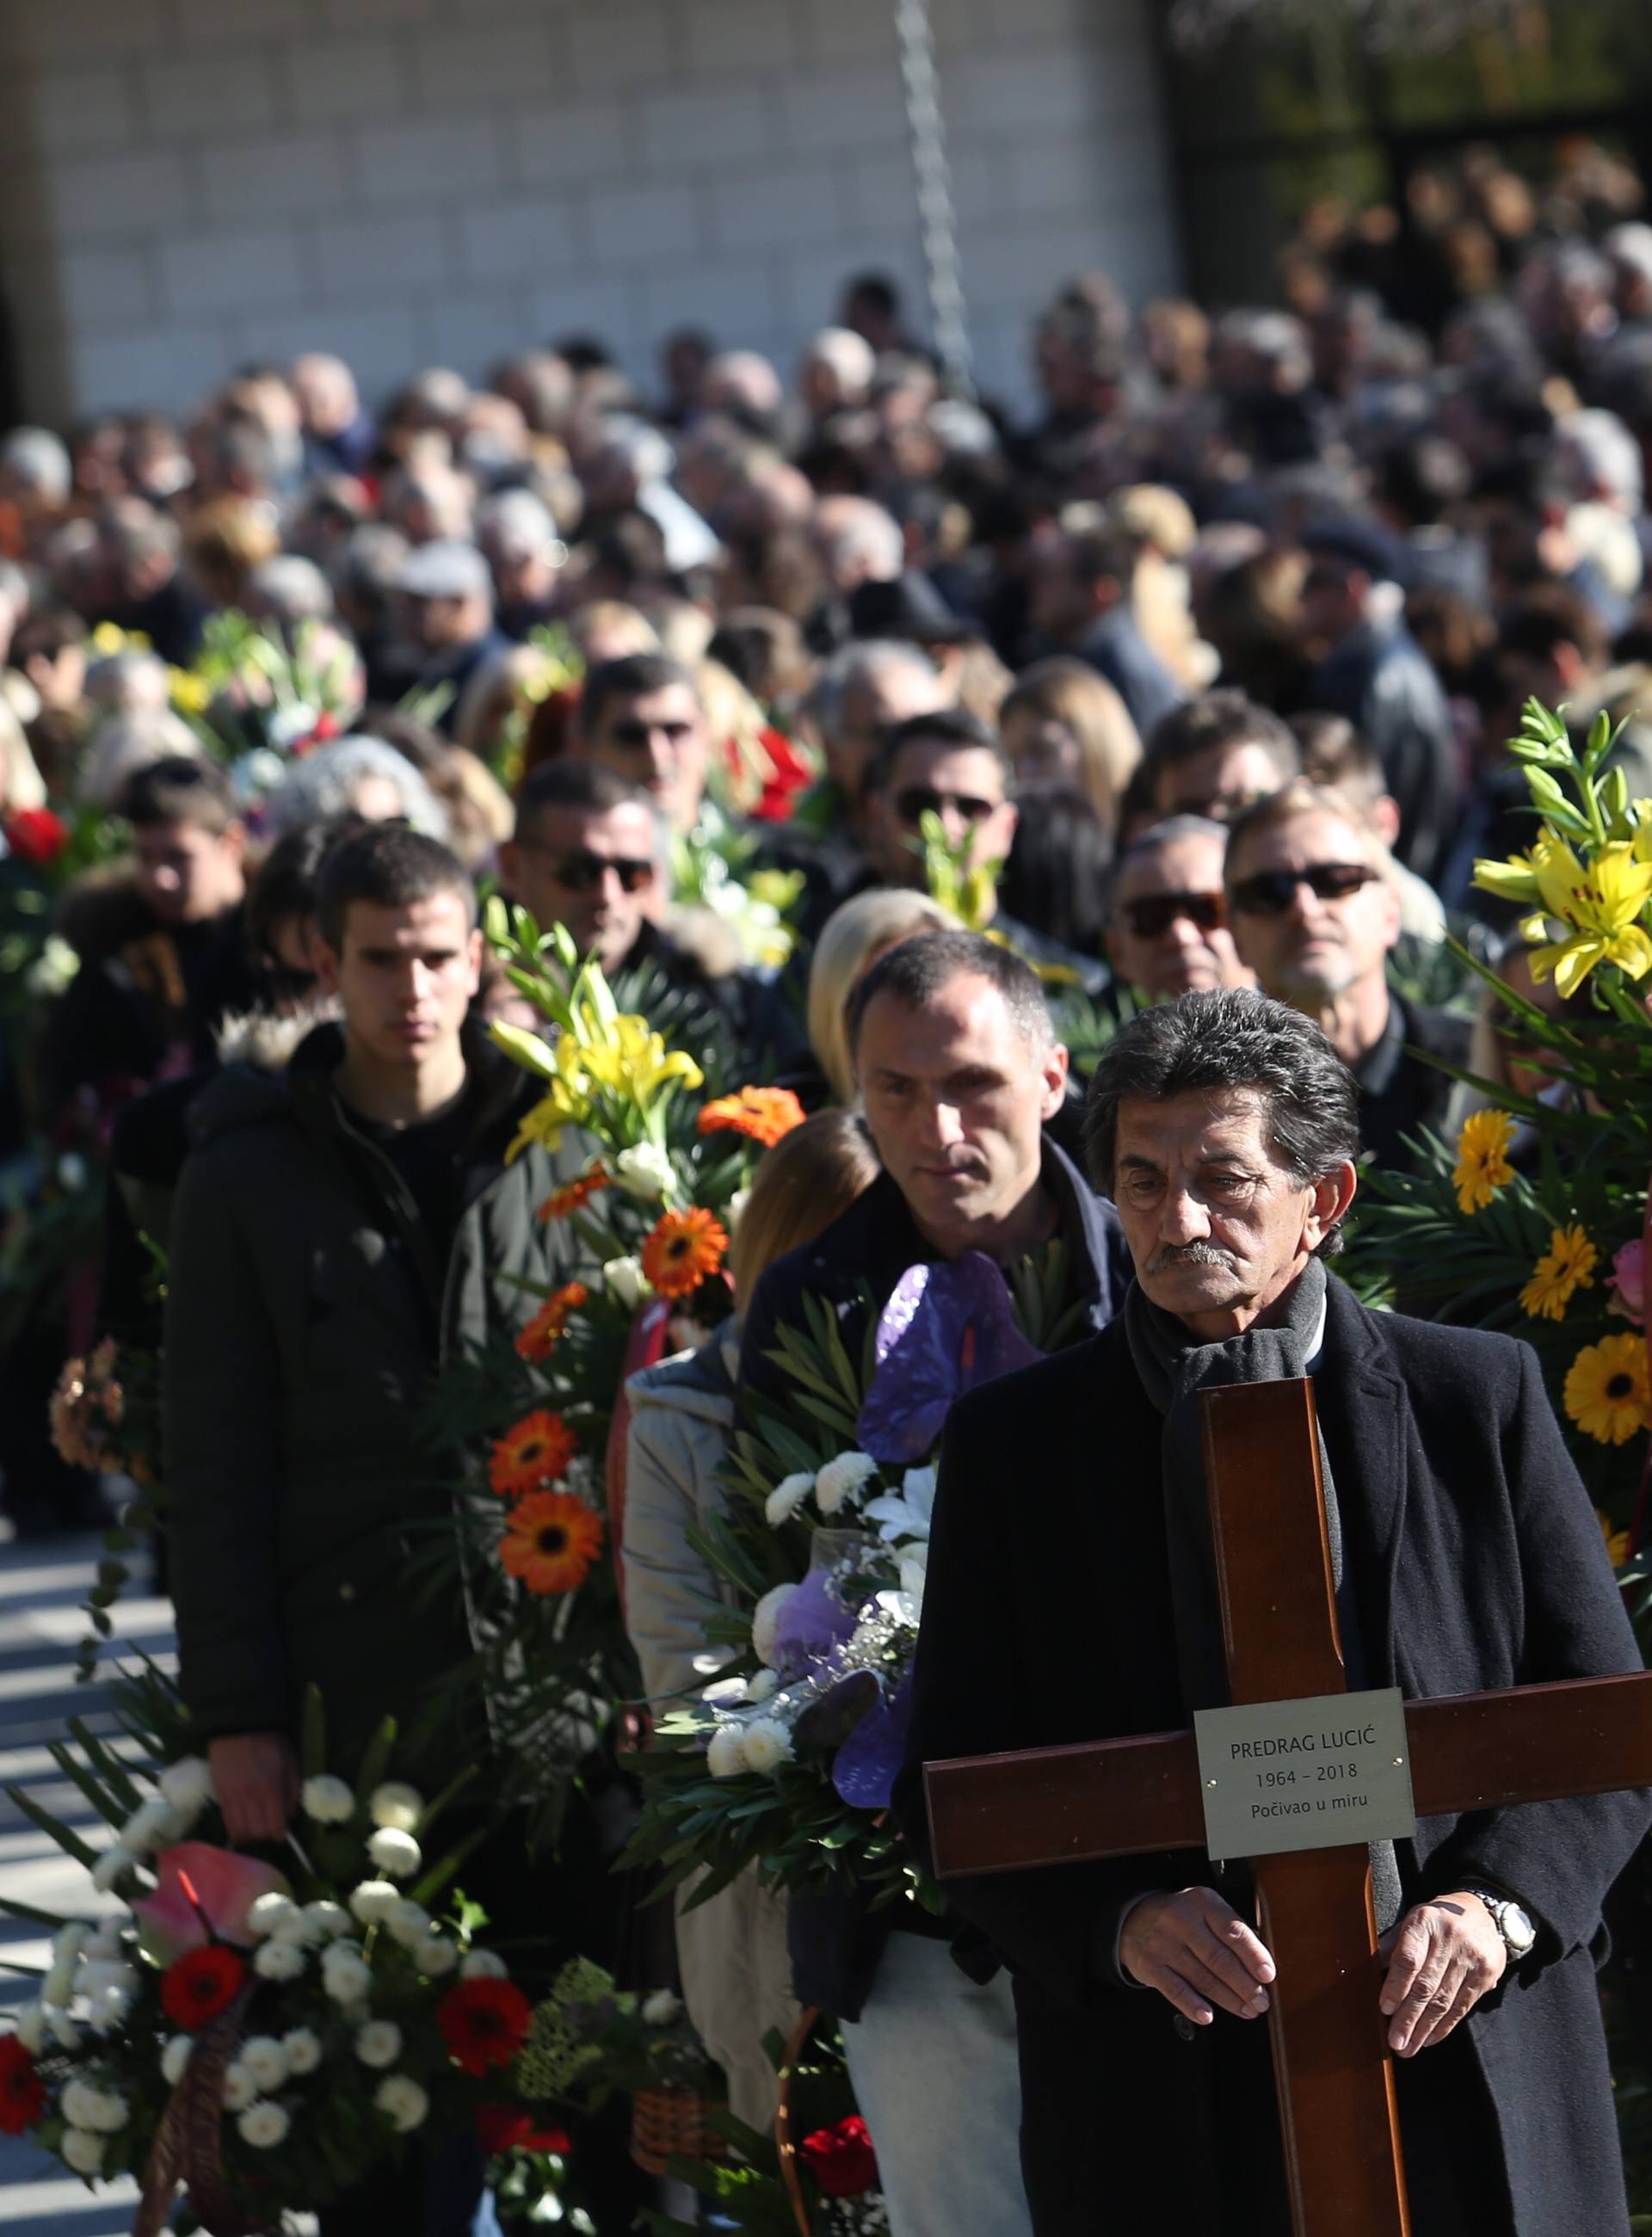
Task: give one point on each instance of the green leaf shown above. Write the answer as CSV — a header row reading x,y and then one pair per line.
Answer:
x,y
69,1841
312,1734
376,1762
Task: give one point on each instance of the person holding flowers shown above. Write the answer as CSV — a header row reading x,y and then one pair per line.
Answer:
x,y
732,1949
959,1072
338,1230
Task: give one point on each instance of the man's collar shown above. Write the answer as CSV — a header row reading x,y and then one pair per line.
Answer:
x,y
1374,1073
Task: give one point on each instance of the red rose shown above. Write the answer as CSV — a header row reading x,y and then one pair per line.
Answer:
x,y
36,835
202,1983
508,2128
484,2023
23,2094
840,2160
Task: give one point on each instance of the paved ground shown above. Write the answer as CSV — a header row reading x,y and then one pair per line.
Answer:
x,y
43,1584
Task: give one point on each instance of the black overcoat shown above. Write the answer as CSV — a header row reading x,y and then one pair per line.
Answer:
x,y
1476,1562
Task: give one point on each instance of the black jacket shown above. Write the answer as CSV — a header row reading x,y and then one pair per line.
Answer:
x,y
1400,1092
306,1314
835,1940
1476,1563
1380,678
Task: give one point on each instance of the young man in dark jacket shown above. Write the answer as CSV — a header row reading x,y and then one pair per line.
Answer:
x,y
959,1072
338,1231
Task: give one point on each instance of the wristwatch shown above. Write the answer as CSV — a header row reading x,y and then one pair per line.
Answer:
x,y
1513,1924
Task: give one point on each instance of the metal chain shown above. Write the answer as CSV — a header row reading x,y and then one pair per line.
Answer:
x,y
937,219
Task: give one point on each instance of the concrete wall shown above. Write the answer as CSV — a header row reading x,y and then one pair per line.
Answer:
x,y
185,184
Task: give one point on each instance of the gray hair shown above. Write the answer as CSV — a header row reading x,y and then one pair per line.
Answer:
x,y
320,787
1231,1039
863,662
291,588
39,460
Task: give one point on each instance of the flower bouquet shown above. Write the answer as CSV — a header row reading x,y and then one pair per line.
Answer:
x,y
649,1211
1533,1220
261,2036
106,1417
788,1758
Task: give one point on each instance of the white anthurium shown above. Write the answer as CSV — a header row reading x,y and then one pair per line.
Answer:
x,y
766,1620
912,1583
906,1513
625,1281
902,1606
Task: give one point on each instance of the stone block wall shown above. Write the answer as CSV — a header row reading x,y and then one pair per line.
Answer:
x,y
187,184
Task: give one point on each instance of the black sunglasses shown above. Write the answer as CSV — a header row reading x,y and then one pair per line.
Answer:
x,y
635,736
915,802
1270,893
582,872
1153,913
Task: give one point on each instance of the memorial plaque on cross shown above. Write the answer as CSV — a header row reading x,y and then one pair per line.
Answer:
x,y
1314,1909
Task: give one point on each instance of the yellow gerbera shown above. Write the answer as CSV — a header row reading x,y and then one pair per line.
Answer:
x,y
1566,1266
1606,1390
1600,902
1617,1541
1483,1164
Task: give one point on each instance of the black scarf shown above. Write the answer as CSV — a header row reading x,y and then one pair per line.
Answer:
x,y
1173,1369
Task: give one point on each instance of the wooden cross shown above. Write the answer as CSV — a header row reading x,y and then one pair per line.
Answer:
x,y
1136,1797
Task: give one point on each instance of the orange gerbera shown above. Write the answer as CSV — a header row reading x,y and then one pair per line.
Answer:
x,y
551,1541
538,1339
537,1451
684,1249
570,1197
764,1113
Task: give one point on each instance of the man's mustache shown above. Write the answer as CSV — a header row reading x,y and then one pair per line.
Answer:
x,y
1190,1253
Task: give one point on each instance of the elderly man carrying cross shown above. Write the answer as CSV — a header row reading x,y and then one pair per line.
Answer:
x,y
1466,1557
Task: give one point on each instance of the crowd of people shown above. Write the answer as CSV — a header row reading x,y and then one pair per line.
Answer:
x,y
904,748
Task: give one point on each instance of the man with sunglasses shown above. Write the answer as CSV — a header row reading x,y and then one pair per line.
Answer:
x,y
950,765
590,853
1170,934
1314,915
641,718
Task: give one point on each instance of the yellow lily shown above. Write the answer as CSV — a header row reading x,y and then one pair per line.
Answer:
x,y
633,1061
1601,903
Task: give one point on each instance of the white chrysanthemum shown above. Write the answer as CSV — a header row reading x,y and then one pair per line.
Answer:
x,y
265,2059
107,2010
661,2008
762,1685
63,2029
726,1756
100,1975
270,1913
81,2151
787,1497
240,2089
112,1867
766,1618
151,1825
303,1931
396,1854
279,1959
408,1923
348,1979
379,2044
645,1173
483,1965
30,2027
400,2096
625,1281
327,1800
104,2110
331,1919
396,1805
187,1787
373,1901
263,2126
767,1744
435,1956
175,2057
107,1941
58,1987
842,1480
303,2049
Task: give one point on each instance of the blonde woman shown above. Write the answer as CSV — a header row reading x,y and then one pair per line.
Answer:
x,y
850,942
732,1950
1065,728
